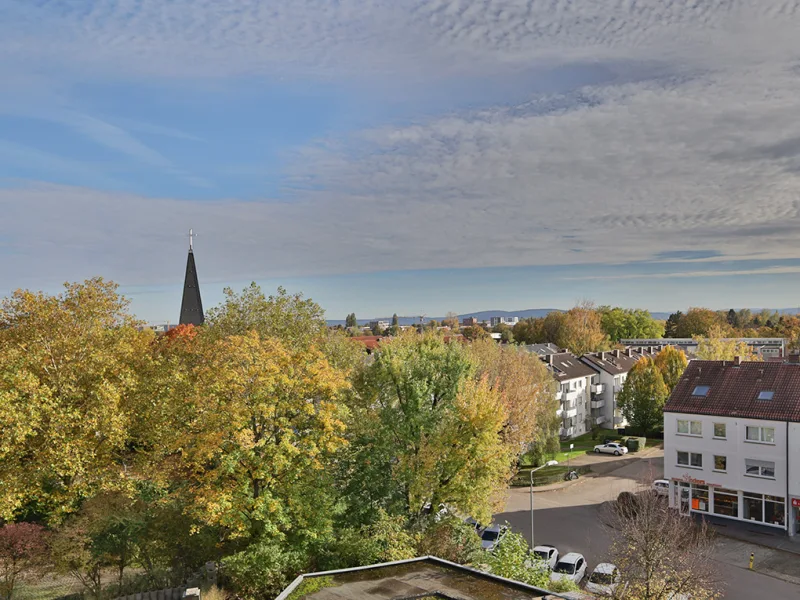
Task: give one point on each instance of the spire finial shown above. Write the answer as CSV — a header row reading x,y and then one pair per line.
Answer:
x,y
191,236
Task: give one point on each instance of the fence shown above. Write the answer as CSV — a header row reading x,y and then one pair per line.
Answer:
x,y
168,594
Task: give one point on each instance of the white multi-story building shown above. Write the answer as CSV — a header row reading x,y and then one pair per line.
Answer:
x,y
611,369
766,348
732,442
503,320
574,393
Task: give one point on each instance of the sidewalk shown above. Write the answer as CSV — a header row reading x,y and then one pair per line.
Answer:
x,y
754,534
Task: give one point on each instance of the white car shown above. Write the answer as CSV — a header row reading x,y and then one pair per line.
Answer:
x,y
611,448
570,566
547,554
661,487
492,536
604,580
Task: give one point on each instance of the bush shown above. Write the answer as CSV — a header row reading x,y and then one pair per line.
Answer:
x,y
451,539
635,444
263,569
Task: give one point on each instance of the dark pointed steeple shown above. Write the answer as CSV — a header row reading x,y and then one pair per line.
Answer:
x,y
192,305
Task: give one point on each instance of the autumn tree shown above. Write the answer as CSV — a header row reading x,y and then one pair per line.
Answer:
x,y
660,554
552,326
69,365
474,332
699,322
643,396
715,346
451,320
529,331
581,330
625,323
23,554
262,416
671,361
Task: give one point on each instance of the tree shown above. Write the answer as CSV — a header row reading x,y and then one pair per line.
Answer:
x,y
395,328
513,560
351,321
423,431
23,554
731,318
624,323
451,539
474,332
552,327
581,330
529,331
714,346
643,396
262,417
671,326
69,365
451,320
672,362
699,322
660,554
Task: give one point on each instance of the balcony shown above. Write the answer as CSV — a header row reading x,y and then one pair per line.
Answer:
x,y
567,432
598,388
598,403
600,420
559,395
569,413
572,395
559,412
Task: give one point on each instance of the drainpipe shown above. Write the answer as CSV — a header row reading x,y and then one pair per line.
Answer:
x,y
787,518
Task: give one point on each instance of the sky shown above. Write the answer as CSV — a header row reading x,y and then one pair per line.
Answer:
x,y
403,156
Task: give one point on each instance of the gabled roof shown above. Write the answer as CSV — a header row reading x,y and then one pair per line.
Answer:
x,y
733,390
617,362
565,366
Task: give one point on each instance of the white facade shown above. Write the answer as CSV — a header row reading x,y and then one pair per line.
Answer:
x,y
504,320
732,467
575,406
605,390
794,478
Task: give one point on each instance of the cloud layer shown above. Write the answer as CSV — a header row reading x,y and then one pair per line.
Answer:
x,y
666,126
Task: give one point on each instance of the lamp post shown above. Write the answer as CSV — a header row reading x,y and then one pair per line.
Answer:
x,y
549,463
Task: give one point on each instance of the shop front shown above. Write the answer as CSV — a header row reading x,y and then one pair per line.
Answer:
x,y
794,520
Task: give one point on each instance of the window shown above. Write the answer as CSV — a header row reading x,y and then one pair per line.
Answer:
x,y
700,497
759,468
726,502
774,510
720,463
690,427
720,431
765,395
690,459
762,435
753,507
701,390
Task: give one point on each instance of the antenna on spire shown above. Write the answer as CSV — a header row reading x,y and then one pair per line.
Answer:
x,y
192,235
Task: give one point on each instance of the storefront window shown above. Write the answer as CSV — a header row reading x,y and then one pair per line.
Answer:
x,y
774,510
700,498
753,507
726,502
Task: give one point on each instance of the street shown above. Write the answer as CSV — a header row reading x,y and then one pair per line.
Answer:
x,y
570,520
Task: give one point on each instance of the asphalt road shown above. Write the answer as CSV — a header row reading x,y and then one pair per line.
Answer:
x,y
570,519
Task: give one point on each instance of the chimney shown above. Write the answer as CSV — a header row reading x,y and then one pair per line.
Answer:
x,y
629,351
602,356
616,353
549,359
737,360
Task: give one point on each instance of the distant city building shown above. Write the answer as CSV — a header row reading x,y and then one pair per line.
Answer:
x,y
424,577
544,349
493,321
192,304
766,348
158,327
469,321
379,324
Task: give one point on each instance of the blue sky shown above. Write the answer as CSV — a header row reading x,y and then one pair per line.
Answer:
x,y
410,157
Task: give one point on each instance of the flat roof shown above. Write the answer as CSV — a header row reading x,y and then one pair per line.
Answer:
x,y
426,576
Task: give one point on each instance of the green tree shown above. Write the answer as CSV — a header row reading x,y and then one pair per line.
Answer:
x,y
731,318
351,321
395,328
643,396
68,367
512,559
672,362
671,325
529,331
451,539
625,323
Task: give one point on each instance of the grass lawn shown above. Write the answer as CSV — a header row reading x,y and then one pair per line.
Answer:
x,y
584,444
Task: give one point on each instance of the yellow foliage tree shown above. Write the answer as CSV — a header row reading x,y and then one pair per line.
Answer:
x,y
715,346
69,365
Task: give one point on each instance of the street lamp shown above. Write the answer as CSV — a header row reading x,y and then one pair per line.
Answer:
x,y
549,463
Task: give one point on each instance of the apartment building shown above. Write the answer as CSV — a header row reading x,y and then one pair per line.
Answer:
x,y
764,348
503,320
611,369
574,393
732,442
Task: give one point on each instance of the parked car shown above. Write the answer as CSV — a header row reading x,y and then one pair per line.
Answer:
x,y
492,536
570,566
604,580
661,487
611,448
547,553
473,523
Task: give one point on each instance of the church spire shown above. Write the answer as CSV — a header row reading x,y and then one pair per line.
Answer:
x,y
192,304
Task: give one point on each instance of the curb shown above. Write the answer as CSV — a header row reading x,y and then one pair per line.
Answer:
x,y
756,543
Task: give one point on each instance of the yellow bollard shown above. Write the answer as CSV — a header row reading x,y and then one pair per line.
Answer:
x,y
752,558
